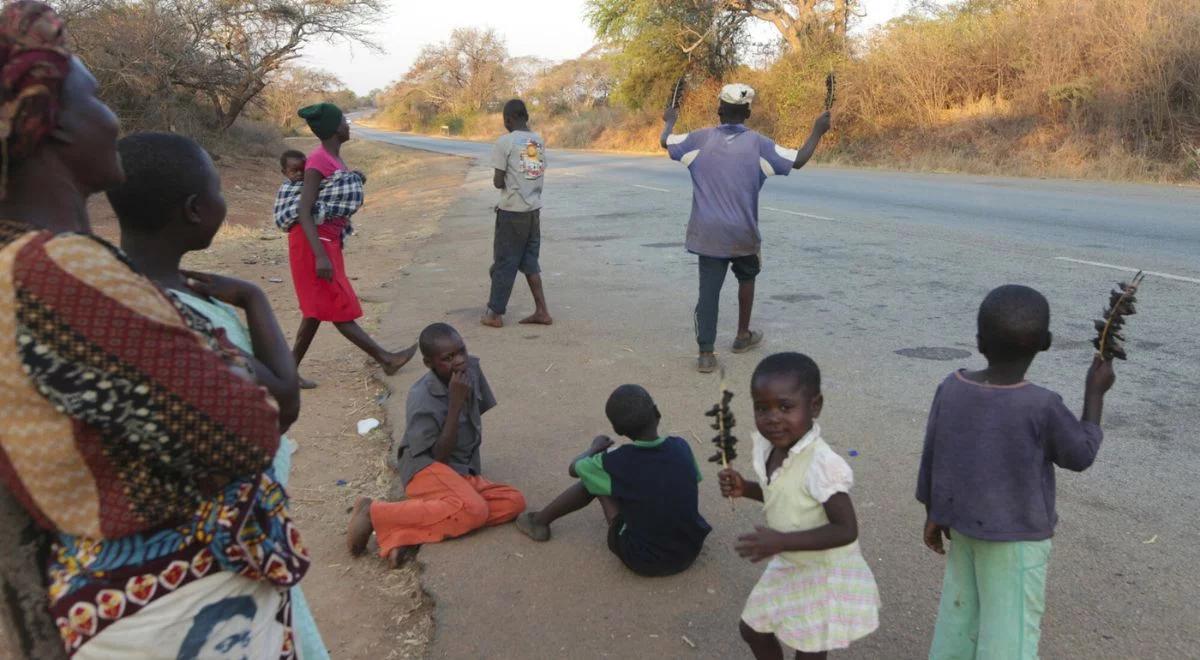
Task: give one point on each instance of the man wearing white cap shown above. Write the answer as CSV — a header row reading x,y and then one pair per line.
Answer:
x,y
729,164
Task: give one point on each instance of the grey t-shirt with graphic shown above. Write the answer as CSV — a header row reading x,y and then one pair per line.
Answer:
x,y
522,157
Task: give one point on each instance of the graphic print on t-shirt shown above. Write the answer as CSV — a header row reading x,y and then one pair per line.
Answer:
x,y
532,163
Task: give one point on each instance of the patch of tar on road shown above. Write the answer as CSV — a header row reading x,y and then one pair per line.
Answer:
x,y
593,239
797,297
934,353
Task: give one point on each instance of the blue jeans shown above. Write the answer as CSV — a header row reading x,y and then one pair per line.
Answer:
x,y
712,278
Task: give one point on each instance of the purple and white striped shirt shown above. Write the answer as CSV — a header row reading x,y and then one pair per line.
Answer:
x,y
729,164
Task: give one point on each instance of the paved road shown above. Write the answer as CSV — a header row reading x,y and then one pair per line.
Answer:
x,y
1152,227
858,265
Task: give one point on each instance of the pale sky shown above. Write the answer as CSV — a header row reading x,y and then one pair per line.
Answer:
x,y
553,29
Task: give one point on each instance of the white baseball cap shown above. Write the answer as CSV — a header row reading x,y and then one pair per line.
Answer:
x,y
737,94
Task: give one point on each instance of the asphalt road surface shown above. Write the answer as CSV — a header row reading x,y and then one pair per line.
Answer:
x,y
878,276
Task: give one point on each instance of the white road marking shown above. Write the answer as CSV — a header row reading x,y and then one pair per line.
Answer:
x,y
567,173
1166,276
802,215
635,185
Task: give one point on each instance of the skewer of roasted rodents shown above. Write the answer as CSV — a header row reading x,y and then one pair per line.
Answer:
x,y
1109,341
723,422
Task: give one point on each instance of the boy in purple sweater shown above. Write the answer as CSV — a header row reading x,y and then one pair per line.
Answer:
x,y
987,480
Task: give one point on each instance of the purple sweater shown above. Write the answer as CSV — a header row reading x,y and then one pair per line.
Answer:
x,y
987,470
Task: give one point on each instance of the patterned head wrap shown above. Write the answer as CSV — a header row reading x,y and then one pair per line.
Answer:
x,y
34,62
323,118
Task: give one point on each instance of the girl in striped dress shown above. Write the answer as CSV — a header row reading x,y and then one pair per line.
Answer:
x,y
817,592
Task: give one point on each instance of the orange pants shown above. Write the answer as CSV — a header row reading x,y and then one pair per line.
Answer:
x,y
443,504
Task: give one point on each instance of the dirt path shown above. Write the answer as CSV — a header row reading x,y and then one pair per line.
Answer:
x,y
363,610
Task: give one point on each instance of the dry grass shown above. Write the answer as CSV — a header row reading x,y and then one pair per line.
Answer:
x,y
1103,89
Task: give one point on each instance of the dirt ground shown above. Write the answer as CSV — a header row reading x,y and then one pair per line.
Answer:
x,y
362,609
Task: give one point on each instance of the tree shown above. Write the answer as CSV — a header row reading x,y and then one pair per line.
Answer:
x,y
249,40
801,21
585,82
221,53
657,41
525,72
465,73
293,87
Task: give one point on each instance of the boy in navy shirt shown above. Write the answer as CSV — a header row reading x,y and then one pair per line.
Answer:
x,y
647,488
729,164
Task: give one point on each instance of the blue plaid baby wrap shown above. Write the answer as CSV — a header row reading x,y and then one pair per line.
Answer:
x,y
341,196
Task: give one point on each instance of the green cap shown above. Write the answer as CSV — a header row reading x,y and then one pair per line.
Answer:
x,y
323,118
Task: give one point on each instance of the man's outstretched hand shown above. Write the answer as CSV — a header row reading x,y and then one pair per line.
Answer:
x,y
822,124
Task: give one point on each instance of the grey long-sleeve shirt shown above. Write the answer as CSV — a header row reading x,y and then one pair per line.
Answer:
x,y
426,411
987,470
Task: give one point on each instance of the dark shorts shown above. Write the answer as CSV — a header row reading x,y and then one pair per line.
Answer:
x,y
629,555
518,241
746,268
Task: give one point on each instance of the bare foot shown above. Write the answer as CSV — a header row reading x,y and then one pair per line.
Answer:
x,y
538,318
398,360
306,384
492,319
359,531
398,557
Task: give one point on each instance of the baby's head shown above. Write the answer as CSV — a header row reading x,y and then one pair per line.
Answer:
x,y
1014,324
786,389
291,163
632,413
444,350
171,191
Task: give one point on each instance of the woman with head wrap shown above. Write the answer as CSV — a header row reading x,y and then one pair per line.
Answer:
x,y
315,247
134,436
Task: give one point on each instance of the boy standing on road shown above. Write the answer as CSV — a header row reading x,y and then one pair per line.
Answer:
x,y
519,159
729,164
987,480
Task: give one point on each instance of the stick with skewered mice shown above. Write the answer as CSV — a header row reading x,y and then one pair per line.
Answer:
x,y
723,424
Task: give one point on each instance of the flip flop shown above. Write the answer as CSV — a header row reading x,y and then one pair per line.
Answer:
x,y
741,345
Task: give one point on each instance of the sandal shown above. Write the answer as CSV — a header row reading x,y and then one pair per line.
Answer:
x,y
743,344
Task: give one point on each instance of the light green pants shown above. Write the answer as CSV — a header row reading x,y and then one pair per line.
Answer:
x,y
993,597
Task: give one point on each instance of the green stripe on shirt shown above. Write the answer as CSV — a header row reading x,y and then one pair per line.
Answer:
x,y
593,476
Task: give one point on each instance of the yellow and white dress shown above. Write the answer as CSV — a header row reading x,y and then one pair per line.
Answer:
x,y
818,600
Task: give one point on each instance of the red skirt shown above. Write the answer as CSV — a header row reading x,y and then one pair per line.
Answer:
x,y
325,300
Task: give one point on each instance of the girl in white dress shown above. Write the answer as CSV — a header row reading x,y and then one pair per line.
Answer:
x,y
817,592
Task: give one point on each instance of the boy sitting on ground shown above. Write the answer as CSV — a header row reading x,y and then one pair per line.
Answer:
x,y
647,488
439,459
